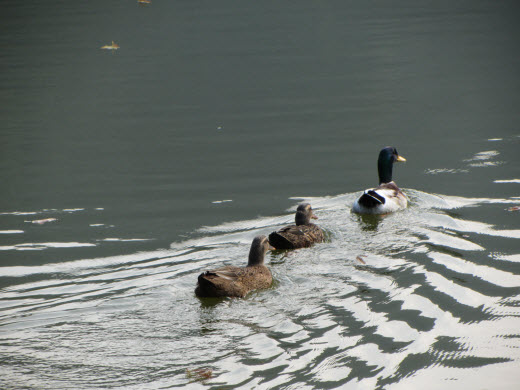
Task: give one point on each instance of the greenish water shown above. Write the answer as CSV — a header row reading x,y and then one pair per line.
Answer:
x,y
211,122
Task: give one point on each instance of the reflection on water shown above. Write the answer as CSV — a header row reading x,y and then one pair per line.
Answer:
x,y
430,294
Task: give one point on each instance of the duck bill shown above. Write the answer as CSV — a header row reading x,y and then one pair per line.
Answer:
x,y
314,217
400,159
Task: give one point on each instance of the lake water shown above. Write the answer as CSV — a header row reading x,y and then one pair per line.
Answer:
x,y
125,173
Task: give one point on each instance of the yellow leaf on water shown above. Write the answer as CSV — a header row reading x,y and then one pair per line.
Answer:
x,y
113,46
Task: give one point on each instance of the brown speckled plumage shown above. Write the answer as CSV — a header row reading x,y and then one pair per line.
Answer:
x,y
231,281
301,235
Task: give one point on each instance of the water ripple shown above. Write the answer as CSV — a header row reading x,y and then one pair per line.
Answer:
x,y
429,282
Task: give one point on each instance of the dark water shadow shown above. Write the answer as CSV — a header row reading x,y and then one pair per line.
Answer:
x,y
370,222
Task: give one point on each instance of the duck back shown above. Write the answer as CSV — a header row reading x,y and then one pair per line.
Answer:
x,y
233,281
384,199
293,237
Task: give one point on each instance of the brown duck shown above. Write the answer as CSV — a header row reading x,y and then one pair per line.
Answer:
x,y
301,235
231,281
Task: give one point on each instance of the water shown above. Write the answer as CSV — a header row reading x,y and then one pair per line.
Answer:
x,y
149,164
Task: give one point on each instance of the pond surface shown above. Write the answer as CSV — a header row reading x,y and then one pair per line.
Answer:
x,y
125,173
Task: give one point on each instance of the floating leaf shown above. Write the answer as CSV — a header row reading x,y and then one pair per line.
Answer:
x,y
359,258
199,374
113,46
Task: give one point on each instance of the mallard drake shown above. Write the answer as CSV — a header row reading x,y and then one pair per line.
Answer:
x,y
231,281
301,235
387,197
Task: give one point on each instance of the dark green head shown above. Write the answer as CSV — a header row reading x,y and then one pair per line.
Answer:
x,y
387,157
304,214
258,249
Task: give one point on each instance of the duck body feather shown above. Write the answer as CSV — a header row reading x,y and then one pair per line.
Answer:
x,y
296,236
384,199
231,281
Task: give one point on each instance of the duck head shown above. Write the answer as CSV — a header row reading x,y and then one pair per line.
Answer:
x,y
258,249
304,214
387,157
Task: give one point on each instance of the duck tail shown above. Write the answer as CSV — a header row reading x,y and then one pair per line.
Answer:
x,y
205,287
371,199
279,242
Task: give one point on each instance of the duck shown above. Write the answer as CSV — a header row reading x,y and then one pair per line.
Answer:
x,y
232,281
301,235
387,197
